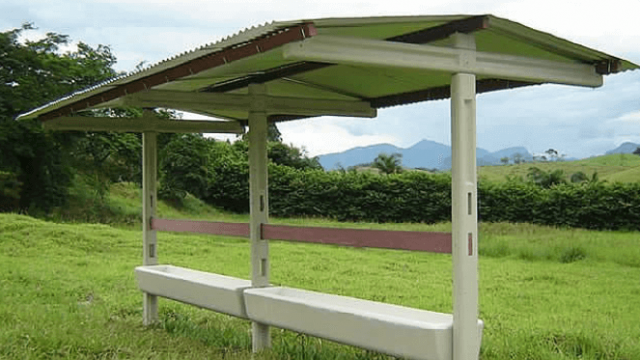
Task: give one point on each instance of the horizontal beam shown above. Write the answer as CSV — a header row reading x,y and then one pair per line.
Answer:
x,y
400,240
84,123
438,242
201,227
368,52
273,105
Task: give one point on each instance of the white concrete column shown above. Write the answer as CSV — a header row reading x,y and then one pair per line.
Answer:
x,y
464,206
258,203
149,200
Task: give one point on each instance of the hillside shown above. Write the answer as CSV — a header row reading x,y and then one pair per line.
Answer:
x,y
625,148
122,206
614,167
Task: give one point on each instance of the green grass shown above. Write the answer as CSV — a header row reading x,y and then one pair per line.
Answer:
x,y
612,168
68,291
122,207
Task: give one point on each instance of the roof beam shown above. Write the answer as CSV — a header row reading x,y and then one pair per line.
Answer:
x,y
357,51
274,105
442,92
85,123
467,25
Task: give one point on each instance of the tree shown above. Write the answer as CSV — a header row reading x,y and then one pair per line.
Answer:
x,y
388,164
273,134
637,151
33,73
553,154
184,167
546,179
518,158
579,177
504,160
289,155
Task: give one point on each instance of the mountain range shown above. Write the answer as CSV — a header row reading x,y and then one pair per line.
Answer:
x,y
429,154
626,148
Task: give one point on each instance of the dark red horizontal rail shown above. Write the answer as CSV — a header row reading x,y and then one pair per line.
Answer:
x,y
438,242
202,227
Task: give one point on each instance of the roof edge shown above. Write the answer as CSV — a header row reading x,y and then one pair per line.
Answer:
x,y
207,61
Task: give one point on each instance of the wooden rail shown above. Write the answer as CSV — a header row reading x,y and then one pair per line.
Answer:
x,y
201,227
438,242
401,240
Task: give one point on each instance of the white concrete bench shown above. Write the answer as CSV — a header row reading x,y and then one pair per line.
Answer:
x,y
390,329
211,291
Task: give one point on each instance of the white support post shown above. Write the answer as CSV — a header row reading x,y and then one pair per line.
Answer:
x,y
149,200
464,206
258,204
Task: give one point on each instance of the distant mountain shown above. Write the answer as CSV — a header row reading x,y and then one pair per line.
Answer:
x,y
626,148
356,156
424,154
485,158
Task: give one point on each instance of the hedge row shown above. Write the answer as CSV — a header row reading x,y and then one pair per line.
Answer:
x,y
424,197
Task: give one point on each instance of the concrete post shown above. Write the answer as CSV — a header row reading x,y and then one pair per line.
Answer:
x,y
258,203
149,200
464,206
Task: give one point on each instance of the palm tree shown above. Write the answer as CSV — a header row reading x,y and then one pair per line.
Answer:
x,y
582,177
388,164
553,154
546,179
579,177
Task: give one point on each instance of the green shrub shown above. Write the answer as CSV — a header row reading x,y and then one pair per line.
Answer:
x,y
424,197
184,166
591,205
360,196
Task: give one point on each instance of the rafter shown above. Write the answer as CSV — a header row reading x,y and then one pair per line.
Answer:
x,y
80,123
274,105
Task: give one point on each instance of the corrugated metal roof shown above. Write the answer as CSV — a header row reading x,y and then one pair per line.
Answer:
x,y
251,55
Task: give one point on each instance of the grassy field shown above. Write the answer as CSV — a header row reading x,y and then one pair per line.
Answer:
x,y
68,291
616,167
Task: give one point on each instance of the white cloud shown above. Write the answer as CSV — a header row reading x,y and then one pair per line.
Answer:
x,y
326,135
632,117
624,128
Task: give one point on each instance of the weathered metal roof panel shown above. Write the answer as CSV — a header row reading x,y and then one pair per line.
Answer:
x,y
252,55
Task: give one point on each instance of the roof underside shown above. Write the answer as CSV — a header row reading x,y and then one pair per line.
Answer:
x,y
256,56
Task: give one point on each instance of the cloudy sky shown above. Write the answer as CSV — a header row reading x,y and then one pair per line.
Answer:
x,y
579,122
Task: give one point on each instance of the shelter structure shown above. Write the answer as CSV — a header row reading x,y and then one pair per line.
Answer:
x,y
290,70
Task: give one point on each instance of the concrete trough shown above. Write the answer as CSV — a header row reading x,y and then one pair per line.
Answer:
x,y
211,291
391,329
